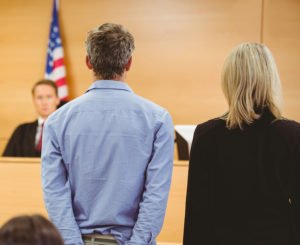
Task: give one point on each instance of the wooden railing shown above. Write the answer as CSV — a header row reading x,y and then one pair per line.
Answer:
x,y
20,187
21,193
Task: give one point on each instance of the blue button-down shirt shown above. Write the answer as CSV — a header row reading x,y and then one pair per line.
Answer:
x,y
107,160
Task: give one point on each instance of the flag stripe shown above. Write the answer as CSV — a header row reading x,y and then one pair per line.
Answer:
x,y
61,82
58,73
63,92
58,53
58,62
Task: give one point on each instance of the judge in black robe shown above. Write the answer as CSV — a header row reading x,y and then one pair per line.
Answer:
x,y
26,139
22,141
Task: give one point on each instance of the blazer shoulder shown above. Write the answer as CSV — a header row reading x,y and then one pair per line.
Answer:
x,y
210,126
287,131
287,126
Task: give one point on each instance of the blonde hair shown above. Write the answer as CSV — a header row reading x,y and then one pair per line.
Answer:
x,y
250,83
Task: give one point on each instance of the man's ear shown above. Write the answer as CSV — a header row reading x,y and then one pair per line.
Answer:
x,y
88,62
128,65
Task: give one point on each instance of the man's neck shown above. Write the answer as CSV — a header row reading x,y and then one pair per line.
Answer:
x,y
116,78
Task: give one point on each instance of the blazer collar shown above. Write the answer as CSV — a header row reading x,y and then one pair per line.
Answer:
x,y
266,116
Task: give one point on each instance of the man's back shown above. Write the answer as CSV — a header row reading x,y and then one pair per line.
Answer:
x,y
112,144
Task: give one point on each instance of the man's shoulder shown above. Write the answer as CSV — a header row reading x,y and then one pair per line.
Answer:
x,y
150,105
83,102
64,110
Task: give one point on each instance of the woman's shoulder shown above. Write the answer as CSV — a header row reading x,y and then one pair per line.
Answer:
x,y
210,126
287,127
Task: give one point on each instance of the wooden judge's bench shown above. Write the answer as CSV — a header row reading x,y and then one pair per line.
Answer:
x,y
21,193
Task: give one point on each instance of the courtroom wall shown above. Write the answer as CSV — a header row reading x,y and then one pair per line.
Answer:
x,y
281,32
180,49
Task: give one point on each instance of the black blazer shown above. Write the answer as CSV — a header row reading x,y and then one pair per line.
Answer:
x,y
22,141
244,185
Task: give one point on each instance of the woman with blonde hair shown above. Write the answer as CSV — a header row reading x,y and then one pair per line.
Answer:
x,y
244,170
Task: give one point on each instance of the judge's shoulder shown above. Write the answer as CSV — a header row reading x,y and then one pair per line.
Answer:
x,y
26,125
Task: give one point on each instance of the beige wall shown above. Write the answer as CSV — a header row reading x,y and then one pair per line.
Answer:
x,y
180,49
282,34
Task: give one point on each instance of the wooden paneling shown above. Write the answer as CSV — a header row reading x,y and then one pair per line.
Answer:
x,y
282,34
20,188
21,193
180,48
167,243
23,44
174,221
3,142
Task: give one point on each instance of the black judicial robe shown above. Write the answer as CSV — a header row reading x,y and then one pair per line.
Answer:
x,y
22,141
244,185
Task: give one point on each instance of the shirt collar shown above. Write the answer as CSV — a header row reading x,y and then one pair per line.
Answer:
x,y
110,84
40,121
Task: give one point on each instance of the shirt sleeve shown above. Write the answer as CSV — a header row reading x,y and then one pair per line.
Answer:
x,y
157,185
56,189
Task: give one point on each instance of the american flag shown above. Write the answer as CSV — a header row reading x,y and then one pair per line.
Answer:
x,y
55,68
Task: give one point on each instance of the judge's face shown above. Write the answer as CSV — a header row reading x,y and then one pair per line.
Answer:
x,y
45,100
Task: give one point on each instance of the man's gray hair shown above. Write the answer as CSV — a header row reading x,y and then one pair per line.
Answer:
x,y
109,48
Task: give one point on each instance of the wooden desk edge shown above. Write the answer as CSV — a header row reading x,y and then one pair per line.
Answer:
x,y
181,163
14,160
38,160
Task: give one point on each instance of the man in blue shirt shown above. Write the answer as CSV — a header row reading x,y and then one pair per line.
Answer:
x,y
107,156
